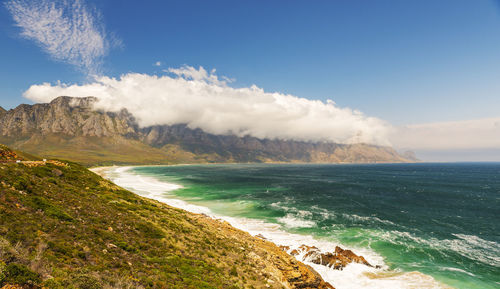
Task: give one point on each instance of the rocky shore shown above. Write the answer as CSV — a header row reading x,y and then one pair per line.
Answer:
x,y
279,267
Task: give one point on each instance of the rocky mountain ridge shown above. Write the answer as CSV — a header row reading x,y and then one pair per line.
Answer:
x,y
70,127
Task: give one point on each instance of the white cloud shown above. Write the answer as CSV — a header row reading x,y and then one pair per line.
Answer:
x,y
458,135
157,63
67,30
201,100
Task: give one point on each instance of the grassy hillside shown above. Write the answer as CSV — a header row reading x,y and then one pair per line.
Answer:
x,y
62,226
102,151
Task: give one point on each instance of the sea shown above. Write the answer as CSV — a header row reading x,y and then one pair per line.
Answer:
x,y
426,225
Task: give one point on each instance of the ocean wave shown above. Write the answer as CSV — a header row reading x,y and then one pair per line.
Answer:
x,y
453,269
472,247
357,218
352,276
318,213
290,221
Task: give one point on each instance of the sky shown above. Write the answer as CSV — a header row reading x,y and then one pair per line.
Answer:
x,y
419,75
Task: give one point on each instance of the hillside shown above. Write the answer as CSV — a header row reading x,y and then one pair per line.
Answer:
x,y
70,128
62,226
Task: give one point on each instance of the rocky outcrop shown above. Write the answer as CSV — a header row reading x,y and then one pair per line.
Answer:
x,y
68,126
336,260
68,116
6,154
281,268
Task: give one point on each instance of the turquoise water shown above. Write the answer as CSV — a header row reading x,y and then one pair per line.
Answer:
x,y
442,220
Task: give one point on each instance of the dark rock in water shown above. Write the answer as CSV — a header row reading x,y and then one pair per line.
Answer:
x,y
307,248
336,260
284,248
349,255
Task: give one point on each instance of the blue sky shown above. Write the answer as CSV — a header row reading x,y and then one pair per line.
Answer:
x,y
405,62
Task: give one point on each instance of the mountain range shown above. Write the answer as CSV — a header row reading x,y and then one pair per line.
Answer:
x,y
70,128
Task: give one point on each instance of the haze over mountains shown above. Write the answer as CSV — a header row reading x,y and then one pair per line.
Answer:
x,y
70,128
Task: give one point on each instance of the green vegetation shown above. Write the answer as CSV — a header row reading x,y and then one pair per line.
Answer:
x,y
62,226
92,150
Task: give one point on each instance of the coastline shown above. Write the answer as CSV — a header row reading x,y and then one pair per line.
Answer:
x,y
280,268
352,276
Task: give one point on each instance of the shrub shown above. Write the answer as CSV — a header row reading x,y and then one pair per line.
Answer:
x,y
20,274
150,230
41,171
21,183
50,209
52,283
125,246
85,281
2,271
234,272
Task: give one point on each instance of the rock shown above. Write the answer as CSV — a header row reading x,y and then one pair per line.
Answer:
x,y
307,248
260,236
284,248
336,260
111,246
57,172
351,256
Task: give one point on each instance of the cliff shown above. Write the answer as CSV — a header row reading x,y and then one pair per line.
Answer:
x,y
70,128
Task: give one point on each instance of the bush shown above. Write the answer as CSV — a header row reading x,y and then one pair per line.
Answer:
x,y
21,183
85,281
41,171
50,209
126,246
52,283
20,274
2,272
234,272
150,230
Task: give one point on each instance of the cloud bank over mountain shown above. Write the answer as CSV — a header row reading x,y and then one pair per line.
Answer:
x,y
202,100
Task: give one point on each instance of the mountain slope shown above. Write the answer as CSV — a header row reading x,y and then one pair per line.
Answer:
x,y
70,128
62,226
